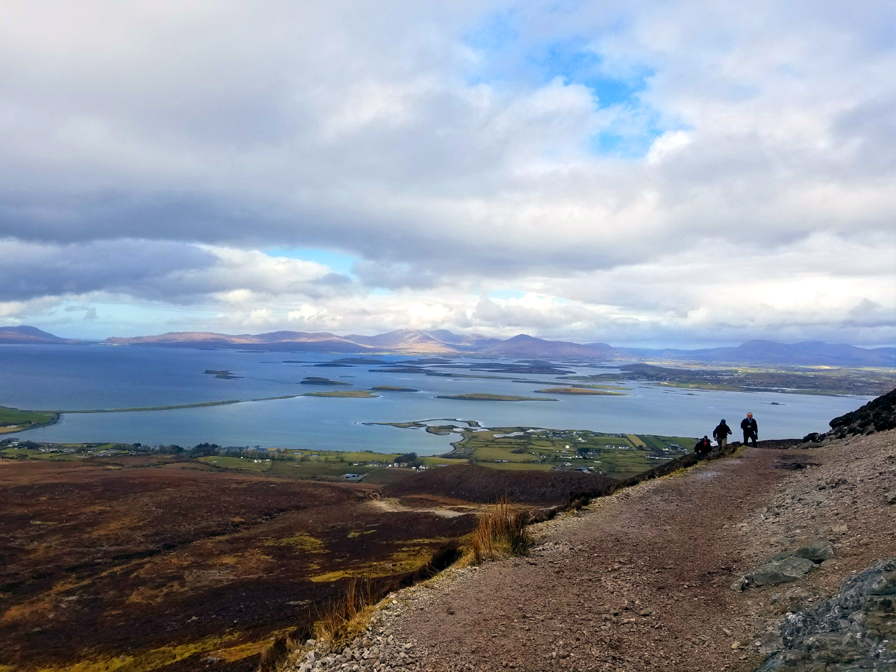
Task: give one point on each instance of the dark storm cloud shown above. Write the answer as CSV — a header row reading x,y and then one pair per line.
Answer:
x,y
29,271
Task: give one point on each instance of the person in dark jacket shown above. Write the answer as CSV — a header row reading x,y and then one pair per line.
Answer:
x,y
721,433
751,430
702,448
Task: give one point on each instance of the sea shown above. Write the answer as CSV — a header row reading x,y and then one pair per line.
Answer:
x,y
97,377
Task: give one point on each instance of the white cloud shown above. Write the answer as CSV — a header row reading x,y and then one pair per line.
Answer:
x,y
149,150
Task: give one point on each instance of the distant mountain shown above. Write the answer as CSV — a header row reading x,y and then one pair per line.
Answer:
x,y
405,341
277,340
445,343
768,353
524,345
436,341
33,335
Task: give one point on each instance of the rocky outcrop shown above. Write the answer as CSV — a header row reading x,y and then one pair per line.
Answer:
x,y
787,566
854,630
875,416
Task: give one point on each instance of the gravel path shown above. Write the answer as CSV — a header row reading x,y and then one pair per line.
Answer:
x,y
641,580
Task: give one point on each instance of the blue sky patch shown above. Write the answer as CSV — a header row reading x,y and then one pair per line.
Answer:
x,y
339,262
506,294
495,33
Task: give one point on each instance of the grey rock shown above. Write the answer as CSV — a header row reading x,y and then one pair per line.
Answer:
x,y
853,630
741,584
816,551
782,571
891,496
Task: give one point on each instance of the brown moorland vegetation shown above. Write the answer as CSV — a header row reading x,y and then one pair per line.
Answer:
x,y
165,565
150,563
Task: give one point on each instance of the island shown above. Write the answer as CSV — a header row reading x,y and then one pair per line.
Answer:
x,y
315,380
354,394
479,396
578,390
224,375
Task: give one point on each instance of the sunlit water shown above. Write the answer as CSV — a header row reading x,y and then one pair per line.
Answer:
x,y
95,377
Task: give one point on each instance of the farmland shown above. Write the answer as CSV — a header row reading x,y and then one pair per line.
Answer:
x,y
14,420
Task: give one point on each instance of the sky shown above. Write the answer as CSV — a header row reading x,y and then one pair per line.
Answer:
x,y
671,173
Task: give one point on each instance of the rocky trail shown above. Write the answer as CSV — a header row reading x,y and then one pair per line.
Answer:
x,y
670,575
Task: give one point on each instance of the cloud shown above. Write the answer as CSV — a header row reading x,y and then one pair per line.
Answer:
x,y
158,271
616,157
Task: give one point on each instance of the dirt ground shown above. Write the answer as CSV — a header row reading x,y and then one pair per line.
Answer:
x,y
641,581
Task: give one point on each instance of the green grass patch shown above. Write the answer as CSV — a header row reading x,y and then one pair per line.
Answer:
x,y
442,461
492,452
16,452
616,455
14,420
238,463
299,542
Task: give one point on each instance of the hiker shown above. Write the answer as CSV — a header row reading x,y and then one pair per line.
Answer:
x,y
751,429
720,434
702,448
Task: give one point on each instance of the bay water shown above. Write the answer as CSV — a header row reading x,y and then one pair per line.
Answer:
x,y
94,377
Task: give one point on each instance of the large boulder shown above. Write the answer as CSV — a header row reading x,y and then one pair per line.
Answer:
x,y
784,570
816,551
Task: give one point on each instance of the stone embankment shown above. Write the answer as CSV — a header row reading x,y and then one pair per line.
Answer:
x,y
641,580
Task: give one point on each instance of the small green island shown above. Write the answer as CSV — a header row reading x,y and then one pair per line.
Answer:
x,y
479,396
579,390
224,375
353,394
316,380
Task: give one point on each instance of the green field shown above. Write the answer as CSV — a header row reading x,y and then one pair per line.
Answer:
x,y
14,420
240,463
511,448
616,455
58,451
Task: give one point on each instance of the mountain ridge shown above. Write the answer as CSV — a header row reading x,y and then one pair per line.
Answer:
x,y
447,343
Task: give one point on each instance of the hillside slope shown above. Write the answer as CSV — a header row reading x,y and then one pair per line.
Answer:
x,y
642,580
30,336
